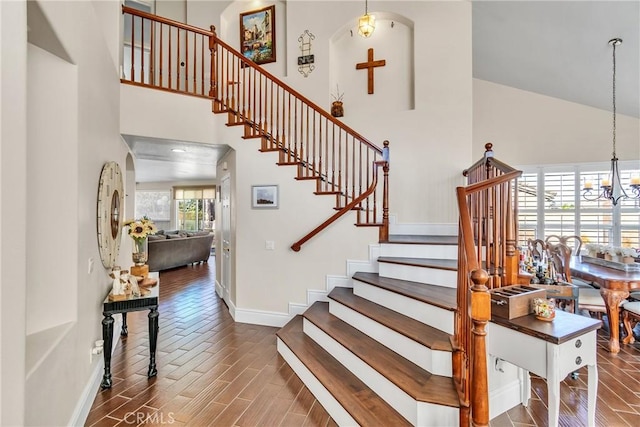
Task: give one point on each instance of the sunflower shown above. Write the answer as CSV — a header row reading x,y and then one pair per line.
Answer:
x,y
140,228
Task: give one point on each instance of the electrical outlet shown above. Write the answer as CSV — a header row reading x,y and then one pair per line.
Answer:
x,y
270,245
90,266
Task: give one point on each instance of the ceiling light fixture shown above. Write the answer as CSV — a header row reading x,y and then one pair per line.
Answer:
x,y
178,150
366,23
612,187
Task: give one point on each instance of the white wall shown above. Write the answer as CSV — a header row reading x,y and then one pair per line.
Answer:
x,y
528,129
69,141
13,205
52,206
266,281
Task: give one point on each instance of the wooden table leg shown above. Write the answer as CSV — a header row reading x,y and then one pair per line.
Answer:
x,y
612,299
107,336
153,340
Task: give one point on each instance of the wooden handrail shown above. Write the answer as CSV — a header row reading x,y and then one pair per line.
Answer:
x,y
162,20
487,258
299,96
385,165
176,57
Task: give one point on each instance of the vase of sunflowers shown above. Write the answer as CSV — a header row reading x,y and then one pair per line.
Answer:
x,y
139,230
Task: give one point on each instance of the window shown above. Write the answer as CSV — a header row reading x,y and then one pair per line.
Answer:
x,y
550,202
195,208
155,205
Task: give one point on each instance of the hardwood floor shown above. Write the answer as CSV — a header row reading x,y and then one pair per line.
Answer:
x,y
214,372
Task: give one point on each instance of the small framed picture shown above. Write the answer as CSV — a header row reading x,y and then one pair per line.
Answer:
x,y
258,35
264,196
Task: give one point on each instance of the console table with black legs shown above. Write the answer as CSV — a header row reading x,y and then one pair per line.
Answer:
x,y
147,302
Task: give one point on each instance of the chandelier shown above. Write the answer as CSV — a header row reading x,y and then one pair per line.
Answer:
x,y
611,188
366,23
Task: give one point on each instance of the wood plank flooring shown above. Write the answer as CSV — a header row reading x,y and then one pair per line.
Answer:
x,y
215,372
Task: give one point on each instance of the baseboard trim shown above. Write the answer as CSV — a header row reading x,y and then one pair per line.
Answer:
x,y
504,398
259,317
81,411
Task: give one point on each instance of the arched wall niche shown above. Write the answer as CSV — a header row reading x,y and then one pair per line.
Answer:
x,y
394,83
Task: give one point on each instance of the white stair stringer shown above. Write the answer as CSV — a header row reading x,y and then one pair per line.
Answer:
x,y
428,314
330,404
413,273
419,251
406,406
435,361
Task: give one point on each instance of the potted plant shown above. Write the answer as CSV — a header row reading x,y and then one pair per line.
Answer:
x,y
337,109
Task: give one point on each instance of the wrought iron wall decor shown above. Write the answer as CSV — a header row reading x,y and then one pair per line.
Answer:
x,y
306,60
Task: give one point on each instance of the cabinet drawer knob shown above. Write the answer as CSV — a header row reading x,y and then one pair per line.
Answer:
x,y
578,343
578,360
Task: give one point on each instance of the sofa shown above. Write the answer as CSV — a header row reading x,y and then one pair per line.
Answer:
x,y
170,249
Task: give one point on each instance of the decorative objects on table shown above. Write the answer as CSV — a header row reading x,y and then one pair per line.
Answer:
x,y
258,35
110,201
612,186
366,23
544,309
369,66
264,196
139,230
119,286
514,301
337,109
306,60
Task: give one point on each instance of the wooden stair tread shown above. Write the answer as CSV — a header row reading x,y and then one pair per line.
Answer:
x,y
409,377
431,294
423,239
366,407
419,332
442,264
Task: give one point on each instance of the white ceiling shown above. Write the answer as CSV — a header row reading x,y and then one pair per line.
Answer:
x,y
156,162
555,48
560,49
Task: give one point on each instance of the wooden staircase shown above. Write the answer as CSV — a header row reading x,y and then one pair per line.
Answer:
x,y
392,330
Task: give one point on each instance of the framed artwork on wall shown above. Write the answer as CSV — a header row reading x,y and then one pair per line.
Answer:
x,y
258,35
264,196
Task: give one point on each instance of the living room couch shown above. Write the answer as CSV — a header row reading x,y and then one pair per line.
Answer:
x,y
170,249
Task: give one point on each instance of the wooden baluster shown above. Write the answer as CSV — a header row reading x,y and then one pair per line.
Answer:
x,y
161,55
274,141
178,63
213,49
142,50
170,64
152,56
133,48
202,59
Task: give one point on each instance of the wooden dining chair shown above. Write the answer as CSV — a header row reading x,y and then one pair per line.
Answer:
x,y
630,315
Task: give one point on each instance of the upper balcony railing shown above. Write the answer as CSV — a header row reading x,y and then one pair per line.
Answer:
x,y
168,55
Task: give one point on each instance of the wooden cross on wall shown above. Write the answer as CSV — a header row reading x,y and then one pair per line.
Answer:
x,y
370,65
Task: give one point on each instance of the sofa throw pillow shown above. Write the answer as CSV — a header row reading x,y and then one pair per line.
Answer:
x,y
175,236
153,237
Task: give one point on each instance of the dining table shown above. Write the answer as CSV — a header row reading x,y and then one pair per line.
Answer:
x,y
615,286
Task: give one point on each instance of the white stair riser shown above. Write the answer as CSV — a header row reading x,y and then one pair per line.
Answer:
x,y
432,415
434,361
420,311
330,404
434,276
392,394
419,251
